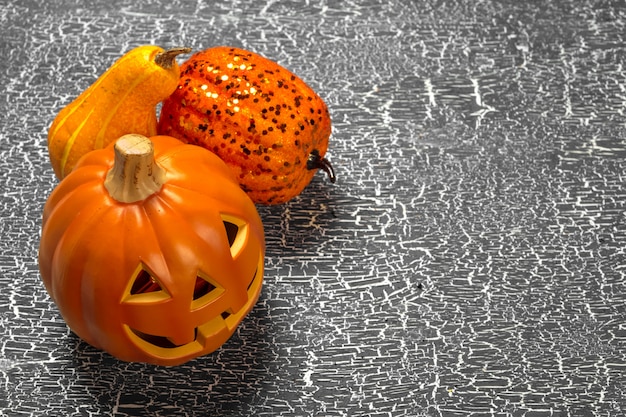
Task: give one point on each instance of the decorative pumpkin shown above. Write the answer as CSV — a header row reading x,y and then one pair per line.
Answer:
x,y
152,253
122,100
268,125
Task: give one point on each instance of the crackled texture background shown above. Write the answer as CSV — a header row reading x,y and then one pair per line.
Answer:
x,y
469,261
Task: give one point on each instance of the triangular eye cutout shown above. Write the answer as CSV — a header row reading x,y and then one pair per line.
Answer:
x,y
144,283
236,232
231,231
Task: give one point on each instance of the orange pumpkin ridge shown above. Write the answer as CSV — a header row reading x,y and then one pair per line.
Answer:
x,y
267,124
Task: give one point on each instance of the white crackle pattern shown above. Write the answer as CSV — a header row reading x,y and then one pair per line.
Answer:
x,y
469,261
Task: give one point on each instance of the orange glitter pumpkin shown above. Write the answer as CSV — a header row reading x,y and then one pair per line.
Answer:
x,y
153,252
269,126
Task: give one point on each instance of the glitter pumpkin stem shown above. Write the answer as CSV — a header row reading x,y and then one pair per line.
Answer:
x,y
316,161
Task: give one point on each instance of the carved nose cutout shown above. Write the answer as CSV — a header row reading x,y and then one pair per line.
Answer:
x,y
205,291
202,288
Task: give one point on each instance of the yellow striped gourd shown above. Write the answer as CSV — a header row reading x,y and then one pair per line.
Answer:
x,y
122,100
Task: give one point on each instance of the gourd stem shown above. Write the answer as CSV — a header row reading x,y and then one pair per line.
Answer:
x,y
135,175
316,161
166,59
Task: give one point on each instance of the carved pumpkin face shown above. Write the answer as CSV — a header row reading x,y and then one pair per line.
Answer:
x,y
160,280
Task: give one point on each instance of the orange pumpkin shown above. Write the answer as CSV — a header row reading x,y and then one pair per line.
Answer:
x,y
122,100
267,124
151,250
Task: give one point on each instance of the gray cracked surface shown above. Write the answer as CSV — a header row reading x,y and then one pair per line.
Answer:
x,y
469,260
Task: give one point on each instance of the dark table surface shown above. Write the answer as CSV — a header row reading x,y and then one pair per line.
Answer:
x,y
468,261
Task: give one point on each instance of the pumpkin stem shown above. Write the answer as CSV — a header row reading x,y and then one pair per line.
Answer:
x,y
316,161
166,59
135,175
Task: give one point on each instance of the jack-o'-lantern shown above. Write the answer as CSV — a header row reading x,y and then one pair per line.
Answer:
x,y
151,251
